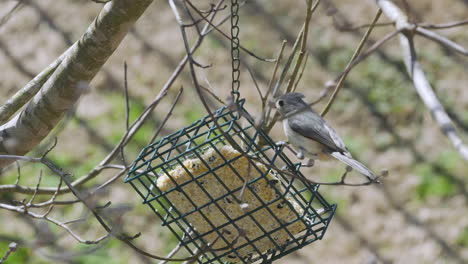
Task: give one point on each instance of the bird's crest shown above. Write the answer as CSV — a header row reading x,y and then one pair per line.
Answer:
x,y
292,96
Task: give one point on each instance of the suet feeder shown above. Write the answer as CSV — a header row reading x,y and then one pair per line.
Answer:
x,y
229,204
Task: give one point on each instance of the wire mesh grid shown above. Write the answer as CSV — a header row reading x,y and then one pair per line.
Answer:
x,y
225,205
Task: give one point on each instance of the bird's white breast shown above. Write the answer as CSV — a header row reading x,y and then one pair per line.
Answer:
x,y
310,147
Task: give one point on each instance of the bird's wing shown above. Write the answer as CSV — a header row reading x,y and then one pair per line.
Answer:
x,y
310,125
336,139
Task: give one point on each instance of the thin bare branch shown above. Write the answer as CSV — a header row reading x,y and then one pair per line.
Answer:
x,y
354,28
211,92
172,253
100,1
276,88
18,168
125,138
83,200
310,10
26,131
19,99
418,76
266,108
11,248
8,15
127,102
168,115
275,70
259,91
444,25
225,35
37,187
372,49
350,63
302,40
333,83
24,210
301,73
441,40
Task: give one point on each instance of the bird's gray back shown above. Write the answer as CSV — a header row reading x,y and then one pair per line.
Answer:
x,y
311,125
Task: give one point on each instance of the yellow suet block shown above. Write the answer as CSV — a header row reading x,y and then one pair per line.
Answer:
x,y
228,209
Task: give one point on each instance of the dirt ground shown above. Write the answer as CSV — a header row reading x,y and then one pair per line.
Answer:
x,y
418,215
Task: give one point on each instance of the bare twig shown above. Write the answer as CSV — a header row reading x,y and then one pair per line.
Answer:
x,y
37,187
266,108
418,77
301,73
8,15
275,91
259,91
18,168
225,35
100,1
11,248
310,10
350,64
18,100
133,129
444,25
110,229
127,103
64,176
99,42
22,209
210,91
329,85
354,28
302,40
371,50
441,40
273,75
295,49
168,115
172,253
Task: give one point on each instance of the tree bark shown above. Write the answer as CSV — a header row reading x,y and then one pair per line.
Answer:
x,y
71,78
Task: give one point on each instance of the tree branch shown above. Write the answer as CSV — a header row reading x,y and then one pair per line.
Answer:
x,y
350,64
418,76
441,40
65,86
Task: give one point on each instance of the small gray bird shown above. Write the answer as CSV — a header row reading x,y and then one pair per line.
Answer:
x,y
311,136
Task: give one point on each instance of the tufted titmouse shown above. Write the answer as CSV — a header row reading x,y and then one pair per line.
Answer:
x,y
312,136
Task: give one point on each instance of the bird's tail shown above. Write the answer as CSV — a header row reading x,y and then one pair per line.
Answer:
x,y
348,160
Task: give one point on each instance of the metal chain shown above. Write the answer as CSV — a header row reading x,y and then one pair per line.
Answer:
x,y
235,59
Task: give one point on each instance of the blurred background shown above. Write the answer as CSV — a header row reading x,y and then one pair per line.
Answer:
x,y
419,214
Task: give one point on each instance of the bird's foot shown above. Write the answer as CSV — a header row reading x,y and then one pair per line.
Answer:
x,y
300,154
281,143
309,163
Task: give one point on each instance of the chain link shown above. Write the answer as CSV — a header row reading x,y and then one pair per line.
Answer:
x,y
235,59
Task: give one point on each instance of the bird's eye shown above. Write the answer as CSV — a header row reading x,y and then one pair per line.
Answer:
x,y
280,103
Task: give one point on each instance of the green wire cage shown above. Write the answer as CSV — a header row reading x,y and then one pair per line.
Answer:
x,y
227,204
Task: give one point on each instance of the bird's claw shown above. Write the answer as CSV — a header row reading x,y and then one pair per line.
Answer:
x,y
309,163
300,155
281,143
